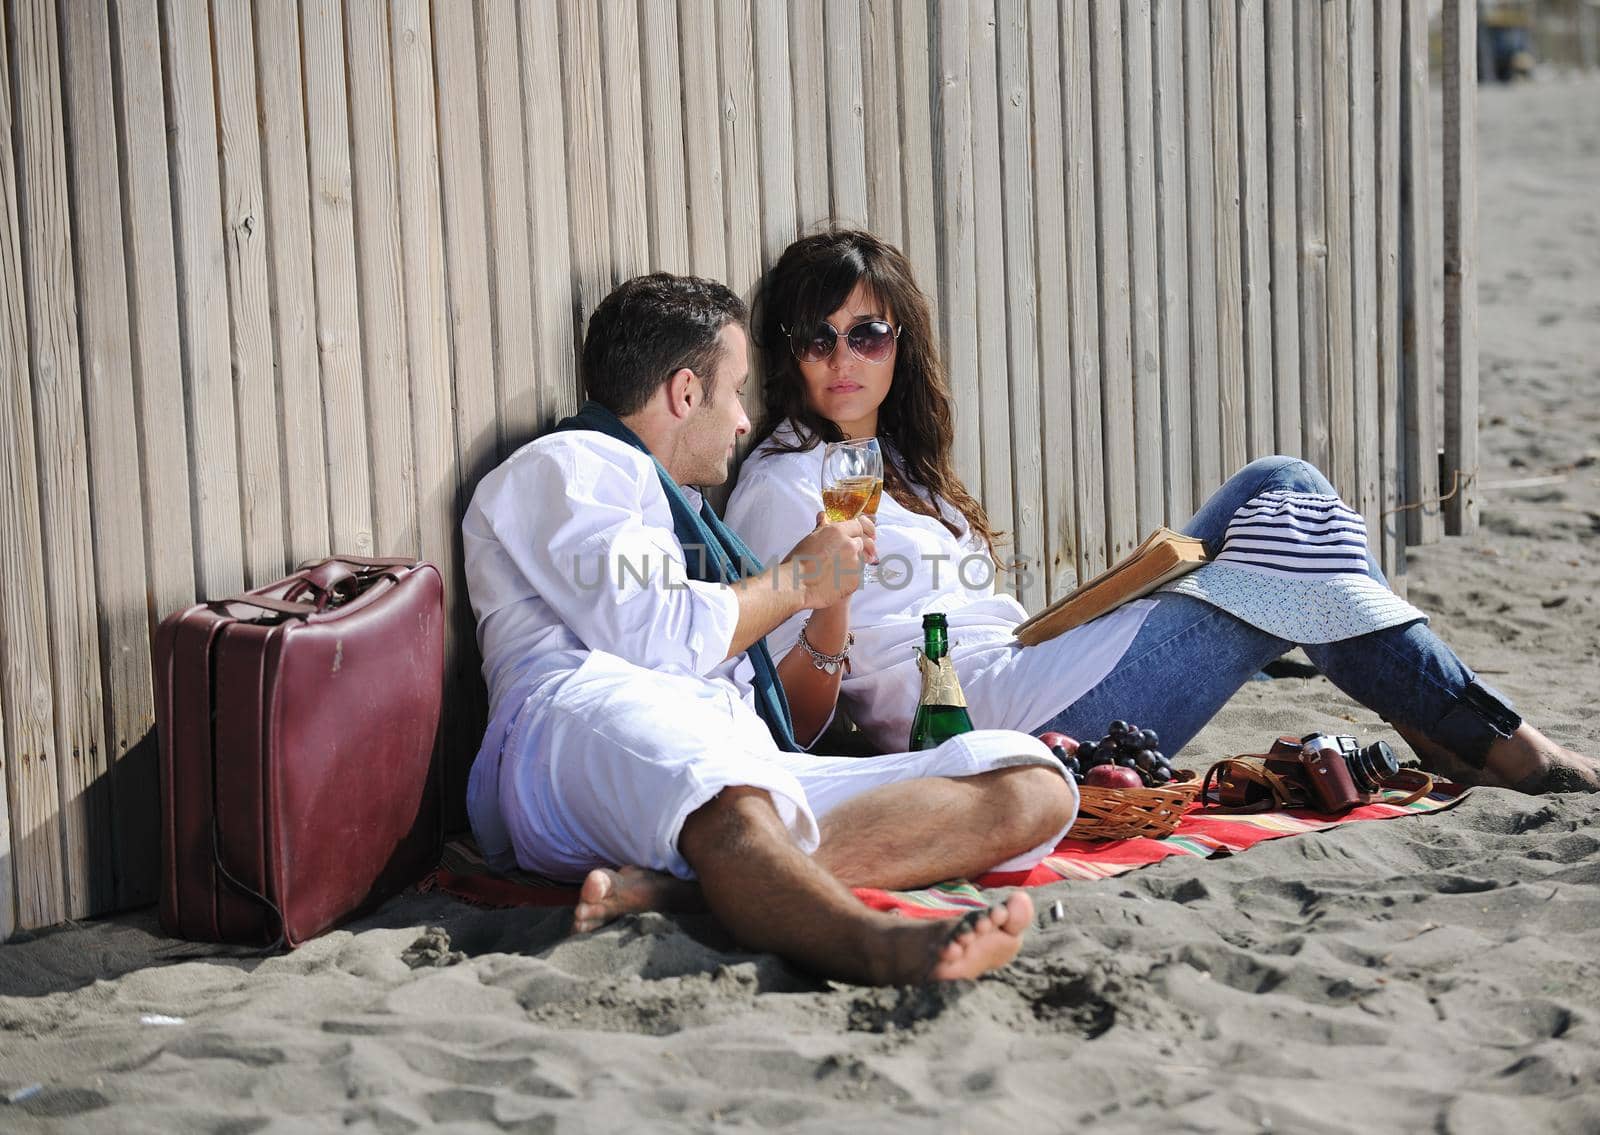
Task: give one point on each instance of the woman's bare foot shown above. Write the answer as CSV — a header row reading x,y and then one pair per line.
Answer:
x,y
1527,761
608,894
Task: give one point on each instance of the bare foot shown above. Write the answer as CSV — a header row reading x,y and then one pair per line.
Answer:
x,y
1527,761
977,945
608,894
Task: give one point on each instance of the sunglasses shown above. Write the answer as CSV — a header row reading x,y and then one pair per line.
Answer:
x,y
871,341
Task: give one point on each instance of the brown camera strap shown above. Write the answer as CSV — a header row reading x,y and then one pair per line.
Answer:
x,y
1285,794
1282,794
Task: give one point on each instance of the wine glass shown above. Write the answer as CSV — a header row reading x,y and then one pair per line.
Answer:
x,y
852,482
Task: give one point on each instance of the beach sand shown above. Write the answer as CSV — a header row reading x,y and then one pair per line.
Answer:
x,y
1433,973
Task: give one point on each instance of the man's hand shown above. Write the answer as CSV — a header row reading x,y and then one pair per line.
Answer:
x,y
822,570
827,564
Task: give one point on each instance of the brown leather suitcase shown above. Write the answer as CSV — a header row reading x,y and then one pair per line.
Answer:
x,y
297,727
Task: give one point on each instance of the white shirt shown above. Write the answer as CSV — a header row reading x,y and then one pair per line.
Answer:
x,y
925,568
569,546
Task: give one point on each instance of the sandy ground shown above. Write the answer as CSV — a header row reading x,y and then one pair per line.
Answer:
x,y
1431,974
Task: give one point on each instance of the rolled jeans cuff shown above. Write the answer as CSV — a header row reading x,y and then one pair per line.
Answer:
x,y
1480,716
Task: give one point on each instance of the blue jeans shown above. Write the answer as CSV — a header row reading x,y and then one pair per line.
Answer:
x,y
1189,657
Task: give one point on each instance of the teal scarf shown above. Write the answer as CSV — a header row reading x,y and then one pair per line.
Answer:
x,y
712,554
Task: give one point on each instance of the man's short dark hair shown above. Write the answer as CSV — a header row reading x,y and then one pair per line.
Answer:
x,y
648,329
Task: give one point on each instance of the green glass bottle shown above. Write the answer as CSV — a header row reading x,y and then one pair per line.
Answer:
x,y
942,709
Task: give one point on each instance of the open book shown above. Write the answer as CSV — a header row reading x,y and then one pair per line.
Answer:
x,y
1163,555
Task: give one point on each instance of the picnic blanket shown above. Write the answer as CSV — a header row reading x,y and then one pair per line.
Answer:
x,y
1202,832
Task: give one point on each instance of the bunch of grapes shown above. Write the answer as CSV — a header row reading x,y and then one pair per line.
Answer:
x,y
1124,746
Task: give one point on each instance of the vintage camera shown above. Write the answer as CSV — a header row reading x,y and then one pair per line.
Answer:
x,y
1337,773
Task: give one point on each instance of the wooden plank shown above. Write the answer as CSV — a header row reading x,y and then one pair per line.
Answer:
x,y
881,67
1024,437
439,497
1390,405
847,166
1144,297
775,108
1312,220
1284,236
466,245
292,283
740,165
702,142
920,237
1084,273
807,44
1424,522
1111,215
1341,468
333,257
667,200
554,300
989,273
1059,565
587,193
129,809
379,268
244,224
510,280
1255,229
1172,237
1460,83
1237,409
740,173
1364,265
8,860
1206,393
58,412
33,883
148,246
624,135
958,281
203,298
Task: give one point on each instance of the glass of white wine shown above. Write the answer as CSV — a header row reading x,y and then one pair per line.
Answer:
x,y
852,482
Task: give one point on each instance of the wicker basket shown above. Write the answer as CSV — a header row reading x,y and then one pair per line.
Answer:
x,y
1129,813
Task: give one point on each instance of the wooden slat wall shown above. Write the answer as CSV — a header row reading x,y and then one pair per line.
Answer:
x,y
278,279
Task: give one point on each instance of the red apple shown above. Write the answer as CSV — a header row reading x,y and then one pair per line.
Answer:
x,y
1059,741
1113,776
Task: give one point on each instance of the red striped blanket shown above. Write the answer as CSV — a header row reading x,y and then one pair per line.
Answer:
x,y
1202,832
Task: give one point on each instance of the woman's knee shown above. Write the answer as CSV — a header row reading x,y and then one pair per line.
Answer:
x,y
1281,472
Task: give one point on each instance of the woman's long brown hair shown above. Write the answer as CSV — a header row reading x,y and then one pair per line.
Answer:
x,y
813,277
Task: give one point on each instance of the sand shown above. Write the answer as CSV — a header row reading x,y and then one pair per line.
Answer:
x,y
1425,974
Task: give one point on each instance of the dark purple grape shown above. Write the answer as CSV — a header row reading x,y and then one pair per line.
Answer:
x,y
1142,761
1129,743
1158,758
1117,728
1087,750
1126,762
1162,774
1148,738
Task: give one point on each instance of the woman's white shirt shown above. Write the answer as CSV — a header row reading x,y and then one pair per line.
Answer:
x,y
924,568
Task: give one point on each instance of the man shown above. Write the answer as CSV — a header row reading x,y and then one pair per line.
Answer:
x,y
636,717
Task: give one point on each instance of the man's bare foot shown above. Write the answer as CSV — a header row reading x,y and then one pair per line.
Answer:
x,y
954,949
608,894
1527,761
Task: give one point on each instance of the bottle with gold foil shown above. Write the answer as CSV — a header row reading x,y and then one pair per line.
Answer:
x,y
942,710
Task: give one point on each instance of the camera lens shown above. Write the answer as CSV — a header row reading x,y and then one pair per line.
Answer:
x,y
1371,766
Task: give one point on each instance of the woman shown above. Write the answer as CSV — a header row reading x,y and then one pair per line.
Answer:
x,y
849,351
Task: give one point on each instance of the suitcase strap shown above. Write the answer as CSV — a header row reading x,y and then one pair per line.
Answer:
x,y
277,943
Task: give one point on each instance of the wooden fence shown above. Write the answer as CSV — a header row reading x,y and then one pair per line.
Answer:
x,y
284,278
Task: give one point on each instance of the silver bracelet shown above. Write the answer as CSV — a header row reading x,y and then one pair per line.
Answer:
x,y
829,663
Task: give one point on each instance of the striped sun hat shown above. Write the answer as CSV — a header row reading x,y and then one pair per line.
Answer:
x,y
1295,565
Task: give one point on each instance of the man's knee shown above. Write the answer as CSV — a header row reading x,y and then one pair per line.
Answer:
x,y
727,822
1039,799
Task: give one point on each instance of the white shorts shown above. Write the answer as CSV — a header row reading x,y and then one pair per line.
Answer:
x,y
602,766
